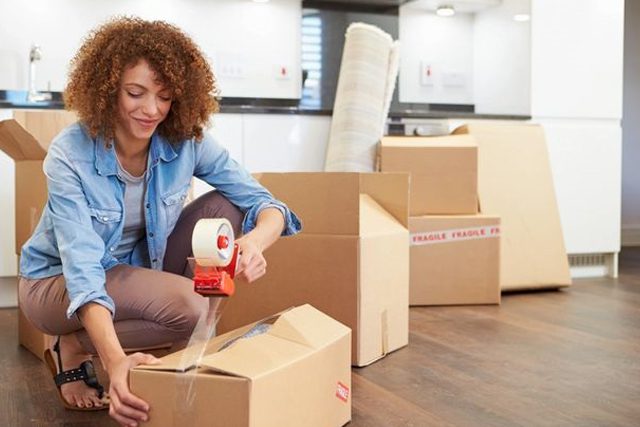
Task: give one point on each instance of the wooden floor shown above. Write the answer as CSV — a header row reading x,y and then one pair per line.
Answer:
x,y
556,358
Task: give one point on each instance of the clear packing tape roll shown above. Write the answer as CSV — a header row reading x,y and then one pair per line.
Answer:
x,y
212,244
207,242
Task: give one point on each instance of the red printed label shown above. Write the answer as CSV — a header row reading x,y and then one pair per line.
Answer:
x,y
430,237
342,392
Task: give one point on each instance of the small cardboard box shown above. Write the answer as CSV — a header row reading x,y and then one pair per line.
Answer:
x,y
351,260
515,183
297,373
443,172
25,138
455,260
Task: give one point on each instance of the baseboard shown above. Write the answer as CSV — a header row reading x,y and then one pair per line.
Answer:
x,y
631,235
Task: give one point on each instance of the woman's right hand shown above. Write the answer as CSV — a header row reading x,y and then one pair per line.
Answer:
x,y
126,408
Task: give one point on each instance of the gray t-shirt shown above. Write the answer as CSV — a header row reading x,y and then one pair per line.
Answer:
x,y
134,221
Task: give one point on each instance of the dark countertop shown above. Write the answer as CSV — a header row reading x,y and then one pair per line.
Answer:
x,y
18,99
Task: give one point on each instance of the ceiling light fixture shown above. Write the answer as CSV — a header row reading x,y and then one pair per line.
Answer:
x,y
522,17
445,10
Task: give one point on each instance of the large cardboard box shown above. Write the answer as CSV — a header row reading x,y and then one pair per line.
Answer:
x,y
297,373
443,171
455,260
351,260
515,183
25,138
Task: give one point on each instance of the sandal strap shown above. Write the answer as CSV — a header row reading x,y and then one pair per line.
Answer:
x,y
85,373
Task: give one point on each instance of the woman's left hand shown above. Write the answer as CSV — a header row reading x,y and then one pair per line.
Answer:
x,y
252,264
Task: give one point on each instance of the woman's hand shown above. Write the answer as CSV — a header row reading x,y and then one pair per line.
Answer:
x,y
252,264
126,408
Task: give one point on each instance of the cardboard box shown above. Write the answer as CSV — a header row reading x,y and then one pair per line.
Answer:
x,y
351,260
443,172
25,139
455,260
515,183
297,373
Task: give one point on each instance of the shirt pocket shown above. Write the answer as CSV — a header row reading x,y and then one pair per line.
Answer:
x,y
105,221
173,203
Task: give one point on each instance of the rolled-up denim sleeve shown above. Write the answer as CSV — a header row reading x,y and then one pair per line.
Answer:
x,y
215,166
291,221
80,248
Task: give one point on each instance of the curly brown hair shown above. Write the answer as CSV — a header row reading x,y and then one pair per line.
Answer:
x,y
97,68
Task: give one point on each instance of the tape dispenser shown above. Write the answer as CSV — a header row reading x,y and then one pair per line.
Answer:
x,y
215,257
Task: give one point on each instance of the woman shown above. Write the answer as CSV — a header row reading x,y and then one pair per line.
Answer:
x,y
105,268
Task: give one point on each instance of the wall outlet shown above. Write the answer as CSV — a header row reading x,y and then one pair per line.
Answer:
x,y
282,72
426,73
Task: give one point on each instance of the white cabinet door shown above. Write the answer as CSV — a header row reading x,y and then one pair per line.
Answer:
x,y
576,58
285,143
585,161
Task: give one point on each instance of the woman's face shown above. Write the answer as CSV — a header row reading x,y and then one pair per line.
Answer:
x,y
143,103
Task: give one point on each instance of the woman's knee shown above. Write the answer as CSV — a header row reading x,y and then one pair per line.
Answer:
x,y
185,311
214,205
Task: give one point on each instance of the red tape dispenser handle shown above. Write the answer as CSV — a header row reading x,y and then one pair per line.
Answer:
x,y
215,257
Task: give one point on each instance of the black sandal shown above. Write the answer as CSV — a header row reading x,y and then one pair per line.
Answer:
x,y
85,372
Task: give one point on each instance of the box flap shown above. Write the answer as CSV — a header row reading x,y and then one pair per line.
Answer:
x,y
308,326
375,220
314,198
44,125
390,190
18,143
173,361
256,356
294,334
328,202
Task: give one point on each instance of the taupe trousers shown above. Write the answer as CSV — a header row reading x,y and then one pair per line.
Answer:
x,y
152,307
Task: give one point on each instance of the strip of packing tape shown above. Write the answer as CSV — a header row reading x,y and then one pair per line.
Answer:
x,y
185,391
204,244
452,235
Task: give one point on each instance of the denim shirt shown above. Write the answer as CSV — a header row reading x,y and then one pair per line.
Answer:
x,y
83,219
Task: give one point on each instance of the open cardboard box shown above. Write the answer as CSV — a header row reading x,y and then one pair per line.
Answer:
x,y
351,259
25,138
297,373
455,259
443,171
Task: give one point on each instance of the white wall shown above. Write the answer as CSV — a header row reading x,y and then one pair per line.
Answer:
x,y
247,42
502,60
446,44
631,127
